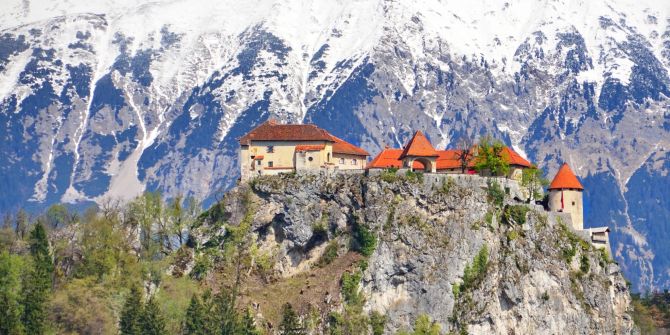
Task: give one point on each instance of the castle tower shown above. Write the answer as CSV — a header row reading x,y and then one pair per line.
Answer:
x,y
565,195
419,149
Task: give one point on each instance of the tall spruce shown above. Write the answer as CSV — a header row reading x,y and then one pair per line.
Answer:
x,y
10,307
248,324
196,320
152,321
224,309
290,324
129,323
37,282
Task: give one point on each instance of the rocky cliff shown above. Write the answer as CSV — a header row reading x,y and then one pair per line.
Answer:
x,y
459,249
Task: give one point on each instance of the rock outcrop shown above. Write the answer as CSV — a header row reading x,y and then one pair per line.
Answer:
x,y
445,247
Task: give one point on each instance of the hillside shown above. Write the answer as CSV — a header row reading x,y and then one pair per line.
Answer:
x,y
107,99
388,253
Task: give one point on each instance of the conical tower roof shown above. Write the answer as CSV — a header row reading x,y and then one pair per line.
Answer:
x,y
565,179
419,146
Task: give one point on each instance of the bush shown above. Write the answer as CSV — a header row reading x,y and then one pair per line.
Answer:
x,y
584,265
350,291
447,184
474,273
365,239
329,254
495,193
515,214
414,177
377,322
389,175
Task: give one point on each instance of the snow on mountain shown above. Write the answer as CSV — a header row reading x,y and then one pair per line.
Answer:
x,y
106,99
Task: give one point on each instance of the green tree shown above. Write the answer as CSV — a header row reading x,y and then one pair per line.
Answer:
x,y
10,307
57,216
533,179
21,223
424,326
248,324
195,321
152,321
37,283
129,323
489,157
290,324
226,315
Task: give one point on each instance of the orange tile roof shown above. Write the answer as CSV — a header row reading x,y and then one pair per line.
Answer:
x,y
258,157
448,159
565,178
419,146
387,158
309,147
343,147
514,158
273,131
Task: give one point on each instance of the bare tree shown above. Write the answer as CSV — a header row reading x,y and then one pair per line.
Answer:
x,y
464,152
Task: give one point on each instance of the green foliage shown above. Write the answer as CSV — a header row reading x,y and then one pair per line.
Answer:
x,y
202,265
495,193
10,286
474,273
291,324
512,235
489,158
350,289
248,324
389,175
651,310
414,177
82,306
447,185
329,254
377,322
424,326
195,321
152,321
37,283
366,241
58,216
643,317
533,179
515,214
584,265
131,314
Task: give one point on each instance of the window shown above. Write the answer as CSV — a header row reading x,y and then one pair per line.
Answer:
x,y
310,159
259,163
342,161
328,157
270,149
270,164
573,203
353,161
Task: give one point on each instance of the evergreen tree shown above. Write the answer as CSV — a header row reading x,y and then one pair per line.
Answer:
x,y
224,309
129,324
195,322
10,307
248,325
37,283
152,321
290,323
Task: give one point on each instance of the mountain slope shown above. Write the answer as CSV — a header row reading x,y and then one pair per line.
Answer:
x,y
107,99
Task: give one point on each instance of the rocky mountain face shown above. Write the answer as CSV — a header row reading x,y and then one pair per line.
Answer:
x,y
108,99
441,248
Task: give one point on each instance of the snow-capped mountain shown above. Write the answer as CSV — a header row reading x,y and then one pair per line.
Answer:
x,y
103,99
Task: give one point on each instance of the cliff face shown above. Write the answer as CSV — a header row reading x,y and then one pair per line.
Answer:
x,y
443,247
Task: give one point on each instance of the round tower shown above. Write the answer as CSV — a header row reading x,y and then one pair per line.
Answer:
x,y
565,195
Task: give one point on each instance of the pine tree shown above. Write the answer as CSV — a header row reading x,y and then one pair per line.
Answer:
x,y
37,283
224,309
290,324
10,307
152,321
195,322
248,325
129,324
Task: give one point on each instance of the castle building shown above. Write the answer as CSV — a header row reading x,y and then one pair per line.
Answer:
x,y
274,148
565,195
420,155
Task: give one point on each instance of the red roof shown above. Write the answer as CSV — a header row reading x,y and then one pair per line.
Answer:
x,y
273,131
387,158
514,158
343,147
316,147
419,146
565,179
448,159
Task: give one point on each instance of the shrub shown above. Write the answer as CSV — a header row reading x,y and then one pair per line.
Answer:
x,y
350,291
414,177
474,273
584,265
365,239
515,214
512,235
495,194
389,175
329,254
377,322
447,184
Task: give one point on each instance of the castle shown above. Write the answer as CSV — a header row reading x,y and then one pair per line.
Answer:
x,y
274,148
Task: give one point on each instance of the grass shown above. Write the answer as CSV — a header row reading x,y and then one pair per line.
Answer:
x,y
329,254
515,214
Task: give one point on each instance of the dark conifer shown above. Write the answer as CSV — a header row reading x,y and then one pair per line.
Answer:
x,y
129,324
